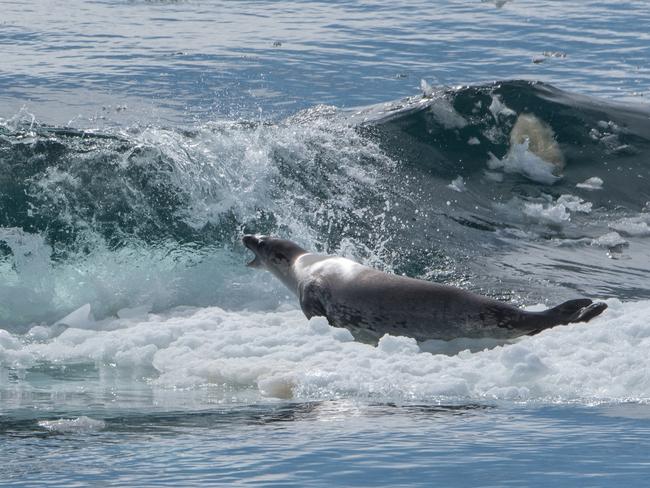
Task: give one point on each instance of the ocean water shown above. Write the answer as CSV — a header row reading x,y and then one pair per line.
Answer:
x,y
499,146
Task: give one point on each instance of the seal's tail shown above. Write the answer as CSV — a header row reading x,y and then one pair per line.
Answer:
x,y
581,310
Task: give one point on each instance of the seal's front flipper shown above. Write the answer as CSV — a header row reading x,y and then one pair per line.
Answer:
x,y
310,299
581,310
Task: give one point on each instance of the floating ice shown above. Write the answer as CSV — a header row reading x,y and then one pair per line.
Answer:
x,y
497,107
540,137
574,203
283,355
610,240
633,226
593,183
556,212
134,312
444,113
12,352
457,184
552,214
520,160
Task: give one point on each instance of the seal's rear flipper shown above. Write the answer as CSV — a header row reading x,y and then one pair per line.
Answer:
x,y
571,312
581,310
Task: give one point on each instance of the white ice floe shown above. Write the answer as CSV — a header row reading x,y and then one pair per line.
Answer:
x,y
281,354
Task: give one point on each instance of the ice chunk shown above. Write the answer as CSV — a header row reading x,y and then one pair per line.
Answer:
x,y
457,184
520,160
611,240
593,183
79,319
633,226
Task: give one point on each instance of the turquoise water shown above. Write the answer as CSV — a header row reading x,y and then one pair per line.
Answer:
x,y
140,140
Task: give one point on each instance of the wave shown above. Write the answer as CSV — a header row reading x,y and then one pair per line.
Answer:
x,y
151,217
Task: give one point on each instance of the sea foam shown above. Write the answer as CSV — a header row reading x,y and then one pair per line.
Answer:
x,y
79,424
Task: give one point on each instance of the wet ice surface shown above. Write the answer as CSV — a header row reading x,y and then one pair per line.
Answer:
x,y
282,355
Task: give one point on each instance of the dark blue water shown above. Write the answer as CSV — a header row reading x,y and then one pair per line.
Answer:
x,y
180,61
498,146
344,443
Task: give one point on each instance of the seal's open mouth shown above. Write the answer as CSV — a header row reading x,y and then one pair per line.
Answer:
x,y
251,242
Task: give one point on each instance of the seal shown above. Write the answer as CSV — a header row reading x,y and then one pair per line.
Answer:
x,y
371,303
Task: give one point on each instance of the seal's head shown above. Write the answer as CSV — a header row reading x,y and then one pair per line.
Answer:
x,y
273,254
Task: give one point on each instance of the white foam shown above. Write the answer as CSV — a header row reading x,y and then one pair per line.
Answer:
x,y
225,172
427,89
79,424
281,354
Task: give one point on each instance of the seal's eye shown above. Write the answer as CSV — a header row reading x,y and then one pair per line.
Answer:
x,y
262,244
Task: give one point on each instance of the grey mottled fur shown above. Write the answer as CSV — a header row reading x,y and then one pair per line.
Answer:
x,y
371,303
